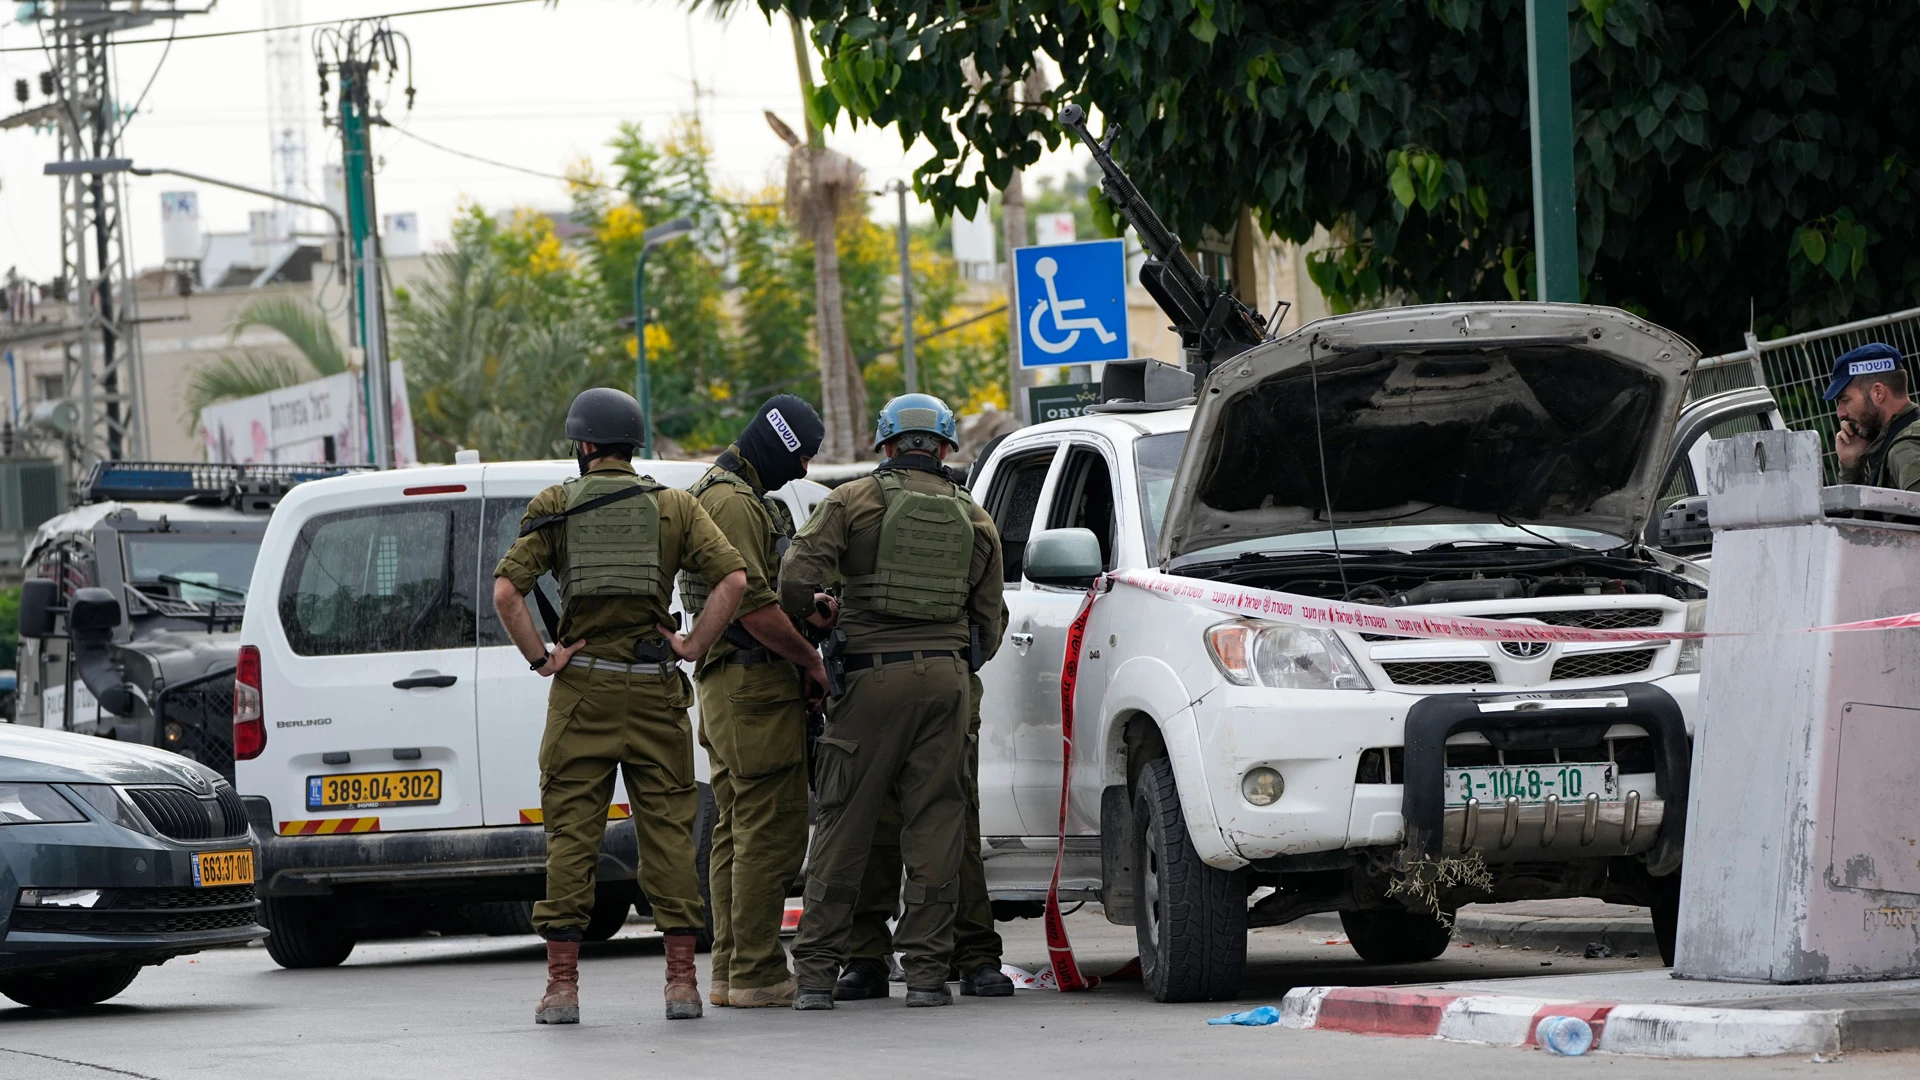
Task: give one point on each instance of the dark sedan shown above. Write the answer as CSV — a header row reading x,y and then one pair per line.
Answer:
x,y
112,857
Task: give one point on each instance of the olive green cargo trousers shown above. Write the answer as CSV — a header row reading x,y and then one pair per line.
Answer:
x,y
753,724
599,721
898,732
975,941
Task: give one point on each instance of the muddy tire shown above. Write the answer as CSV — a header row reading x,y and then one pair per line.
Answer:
x,y
306,933
1664,908
504,918
1395,937
1190,918
75,989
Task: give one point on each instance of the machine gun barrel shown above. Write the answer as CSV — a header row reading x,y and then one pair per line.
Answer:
x,y
1119,189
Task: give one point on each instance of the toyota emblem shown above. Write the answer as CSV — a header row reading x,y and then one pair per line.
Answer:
x,y
1524,650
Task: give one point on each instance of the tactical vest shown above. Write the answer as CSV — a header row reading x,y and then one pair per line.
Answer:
x,y
694,589
613,550
926,549
1901,430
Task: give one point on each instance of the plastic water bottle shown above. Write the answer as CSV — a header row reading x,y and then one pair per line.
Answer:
x,y
1565,1036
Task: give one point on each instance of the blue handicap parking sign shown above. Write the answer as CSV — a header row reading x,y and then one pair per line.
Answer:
x,y
1073,303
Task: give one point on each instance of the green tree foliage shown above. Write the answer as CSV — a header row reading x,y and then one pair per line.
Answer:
x,y
512,322
247,372
1732,155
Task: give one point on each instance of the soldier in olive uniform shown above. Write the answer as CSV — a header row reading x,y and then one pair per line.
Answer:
x,y
614,540
976,944
919,563
1878,441
753,709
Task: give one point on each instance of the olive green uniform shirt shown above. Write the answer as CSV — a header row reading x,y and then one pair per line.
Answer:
x,y
1890,462
842,539
612,625
755,528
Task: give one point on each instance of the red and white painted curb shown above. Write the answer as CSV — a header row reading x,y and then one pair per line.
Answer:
x,y
1499,1020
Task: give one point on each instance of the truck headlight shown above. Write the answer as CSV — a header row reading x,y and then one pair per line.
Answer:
x,y
1251,653
1689,663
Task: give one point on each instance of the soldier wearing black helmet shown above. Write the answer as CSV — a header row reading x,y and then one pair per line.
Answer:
x,y
919,565
614,541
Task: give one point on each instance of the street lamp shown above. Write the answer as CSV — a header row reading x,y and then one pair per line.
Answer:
x,y
125,165
642,387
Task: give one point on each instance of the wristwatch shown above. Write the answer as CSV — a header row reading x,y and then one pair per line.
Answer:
x,y
540,663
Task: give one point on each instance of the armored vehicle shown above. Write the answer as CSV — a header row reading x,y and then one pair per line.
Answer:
x,y
130,615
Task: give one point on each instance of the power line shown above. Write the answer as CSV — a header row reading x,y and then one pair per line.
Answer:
x,y
296,26
556,176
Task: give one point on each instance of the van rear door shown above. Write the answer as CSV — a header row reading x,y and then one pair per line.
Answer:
x,y
368,665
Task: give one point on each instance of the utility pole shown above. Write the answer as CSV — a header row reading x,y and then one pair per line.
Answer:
x,y
354,54
1556,246
906,295
102,351
287,115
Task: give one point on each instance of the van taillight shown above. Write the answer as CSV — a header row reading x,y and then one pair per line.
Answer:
x,y
249,720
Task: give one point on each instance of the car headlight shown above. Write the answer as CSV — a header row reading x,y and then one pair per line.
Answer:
x,y
108,803
1689,663
27,804
1251,653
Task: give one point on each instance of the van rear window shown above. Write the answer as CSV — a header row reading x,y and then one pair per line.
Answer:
x,y
383,579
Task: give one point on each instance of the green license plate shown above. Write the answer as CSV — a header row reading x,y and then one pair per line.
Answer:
x,y
1530,783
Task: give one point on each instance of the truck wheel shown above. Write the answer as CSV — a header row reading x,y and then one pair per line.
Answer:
x,y
703,823
610,907
304,935
1665,910
68,989
1395,937
506,918
1190,918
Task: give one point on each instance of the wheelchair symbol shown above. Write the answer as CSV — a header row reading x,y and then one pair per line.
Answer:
x,y
1047,268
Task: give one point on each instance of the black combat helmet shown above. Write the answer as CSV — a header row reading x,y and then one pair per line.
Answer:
x,y
605,416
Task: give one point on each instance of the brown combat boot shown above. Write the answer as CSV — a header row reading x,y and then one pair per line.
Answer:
x,y
717,992
683,984
561,1005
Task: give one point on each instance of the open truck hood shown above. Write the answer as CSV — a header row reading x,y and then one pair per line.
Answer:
x,y
1542,414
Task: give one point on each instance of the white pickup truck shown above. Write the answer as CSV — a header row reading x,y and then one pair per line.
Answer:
x,y
1507,461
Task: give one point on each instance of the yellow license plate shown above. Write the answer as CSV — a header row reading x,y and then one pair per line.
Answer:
x,y
213,868
363,791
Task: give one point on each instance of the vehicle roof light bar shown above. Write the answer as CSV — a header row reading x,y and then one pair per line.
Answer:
x,y
190,481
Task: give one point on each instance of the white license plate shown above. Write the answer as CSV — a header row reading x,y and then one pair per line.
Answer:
x,y
1531,784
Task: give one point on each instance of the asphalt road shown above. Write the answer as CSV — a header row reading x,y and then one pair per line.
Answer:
x,y
461,1007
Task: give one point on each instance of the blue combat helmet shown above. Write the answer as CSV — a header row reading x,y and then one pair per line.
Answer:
x,y
915,412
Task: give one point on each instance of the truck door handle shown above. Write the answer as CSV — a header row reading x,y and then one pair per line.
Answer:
x,y
415,682
1020,641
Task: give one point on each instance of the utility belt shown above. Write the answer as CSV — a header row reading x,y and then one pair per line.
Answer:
x,y
594,663
862,661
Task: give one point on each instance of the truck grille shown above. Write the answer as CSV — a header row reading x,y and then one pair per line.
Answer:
x,y
179,814
1584,618
196,720
1602,665
146,911
1439,672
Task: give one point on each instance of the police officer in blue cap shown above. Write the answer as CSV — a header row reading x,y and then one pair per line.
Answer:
x,y
1878,443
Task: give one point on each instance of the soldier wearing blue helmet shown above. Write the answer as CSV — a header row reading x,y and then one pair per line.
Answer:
x,y
1877,442
919,565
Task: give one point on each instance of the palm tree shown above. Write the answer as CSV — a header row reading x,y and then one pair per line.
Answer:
x,y
248,372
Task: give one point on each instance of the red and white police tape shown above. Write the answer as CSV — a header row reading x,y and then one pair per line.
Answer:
x,y
1312,611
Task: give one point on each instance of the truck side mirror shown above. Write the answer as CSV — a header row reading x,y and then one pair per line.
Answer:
x,y
1063,558
92,612
38,598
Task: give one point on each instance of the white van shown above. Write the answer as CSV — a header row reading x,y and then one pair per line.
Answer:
x,y
385,728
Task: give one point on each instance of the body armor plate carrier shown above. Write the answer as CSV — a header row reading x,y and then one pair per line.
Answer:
x,y
614,549
926,548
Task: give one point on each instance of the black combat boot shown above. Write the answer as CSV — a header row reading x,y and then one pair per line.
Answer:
x,y
863,979
985,980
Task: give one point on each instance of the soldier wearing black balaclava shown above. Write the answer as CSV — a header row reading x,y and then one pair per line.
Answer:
x,y
754,686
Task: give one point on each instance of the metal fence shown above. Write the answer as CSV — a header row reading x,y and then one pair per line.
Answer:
x,y
1796,369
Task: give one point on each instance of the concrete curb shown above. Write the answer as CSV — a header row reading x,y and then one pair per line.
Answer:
x,y
1567,935
1648,1030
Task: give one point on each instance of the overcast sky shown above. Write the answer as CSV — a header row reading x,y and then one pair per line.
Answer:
x,y
534,85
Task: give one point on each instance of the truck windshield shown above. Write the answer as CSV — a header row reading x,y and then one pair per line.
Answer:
x,y
200,569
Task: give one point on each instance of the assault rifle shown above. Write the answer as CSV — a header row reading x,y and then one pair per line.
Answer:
x,y
1212,323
